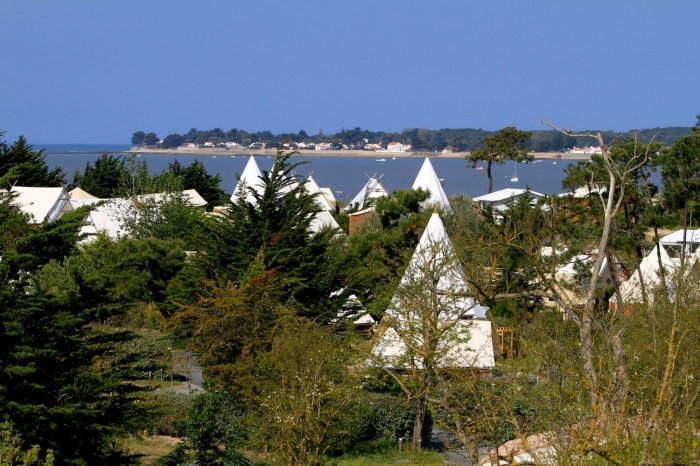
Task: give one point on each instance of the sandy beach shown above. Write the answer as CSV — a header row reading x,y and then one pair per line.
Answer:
x,y
207,152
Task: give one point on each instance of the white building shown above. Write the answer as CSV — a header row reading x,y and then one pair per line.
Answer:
x,y
499,199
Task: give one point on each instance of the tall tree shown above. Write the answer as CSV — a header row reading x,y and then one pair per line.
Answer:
x,y
150,139
195,176
138,138
277,221
21,165
101,178
506,144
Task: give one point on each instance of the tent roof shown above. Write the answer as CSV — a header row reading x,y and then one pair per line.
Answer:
x,y
649,268
319,196
435,254
505,194
194,198
323,219
676,238
251,177
373,189
428,180
108,218
41,203
79,193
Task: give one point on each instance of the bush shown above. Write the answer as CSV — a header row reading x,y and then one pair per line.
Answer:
x,y
382,416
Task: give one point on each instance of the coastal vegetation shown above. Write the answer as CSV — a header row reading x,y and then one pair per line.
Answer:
x,y
461,139
100,336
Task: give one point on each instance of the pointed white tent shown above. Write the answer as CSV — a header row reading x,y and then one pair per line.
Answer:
x,y
372,190
251,177
467,338
428,180
314,190
631,291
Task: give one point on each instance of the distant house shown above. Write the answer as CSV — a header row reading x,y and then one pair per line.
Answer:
x,y
188,145
231,144
395,147
448,150
41,204
323,146
499,199
208,144
586,150
374,147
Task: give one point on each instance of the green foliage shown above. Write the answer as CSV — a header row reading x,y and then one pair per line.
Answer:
x,y
138,138
382,416
101,179
277,223
11,453
195,176
22,166
213,432
400,204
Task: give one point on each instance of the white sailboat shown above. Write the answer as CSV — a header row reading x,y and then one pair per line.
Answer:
x,y
515,173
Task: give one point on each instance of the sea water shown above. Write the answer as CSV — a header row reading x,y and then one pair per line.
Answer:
x,y
345,176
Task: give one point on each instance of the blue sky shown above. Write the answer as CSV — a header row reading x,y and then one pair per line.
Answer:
x,y
96,71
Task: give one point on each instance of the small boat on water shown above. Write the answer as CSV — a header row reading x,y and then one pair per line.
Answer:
x,y
233,156
554,163
479,168
213,156
393,158
515,173
381,160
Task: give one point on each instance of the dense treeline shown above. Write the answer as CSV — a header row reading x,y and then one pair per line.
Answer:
x,y
467,139
85,322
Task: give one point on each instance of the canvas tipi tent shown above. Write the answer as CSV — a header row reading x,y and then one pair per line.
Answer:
x,y
371,191
433,294
251,177
428,180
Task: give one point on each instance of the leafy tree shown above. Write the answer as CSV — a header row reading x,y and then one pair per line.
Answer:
x,y
506,144
173,140
150,139
277,221
195,176
101,179
22,166
11,452
138,138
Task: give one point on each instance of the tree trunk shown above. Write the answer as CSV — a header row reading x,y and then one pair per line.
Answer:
x,y
421,411
488,172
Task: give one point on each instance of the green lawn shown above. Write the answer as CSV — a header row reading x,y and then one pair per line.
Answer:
x,y
151,448
427,458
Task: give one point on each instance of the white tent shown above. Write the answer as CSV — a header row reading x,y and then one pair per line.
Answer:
x,y
108,218
631,291
372,190
428,180
467,335
194,198
41,204
321,220
320,198
79,193
251,177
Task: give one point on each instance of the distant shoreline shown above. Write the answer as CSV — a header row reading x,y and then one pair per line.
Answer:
x,y
340,153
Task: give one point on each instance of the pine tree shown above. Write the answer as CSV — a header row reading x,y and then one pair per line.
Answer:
x,y
22,166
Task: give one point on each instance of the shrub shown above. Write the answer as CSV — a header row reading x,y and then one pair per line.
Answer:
x,y
382,416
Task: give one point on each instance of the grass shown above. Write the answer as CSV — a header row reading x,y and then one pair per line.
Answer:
x,y
152,448
425,457
378,453
158,383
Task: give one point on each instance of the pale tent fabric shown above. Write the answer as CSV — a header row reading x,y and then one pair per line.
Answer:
x,y
41,203
435,248
194,198
631,291
319,197
108,219
251,177
79,193
372,190
468,340
474,350
428,180
354,311
323,219
329,196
